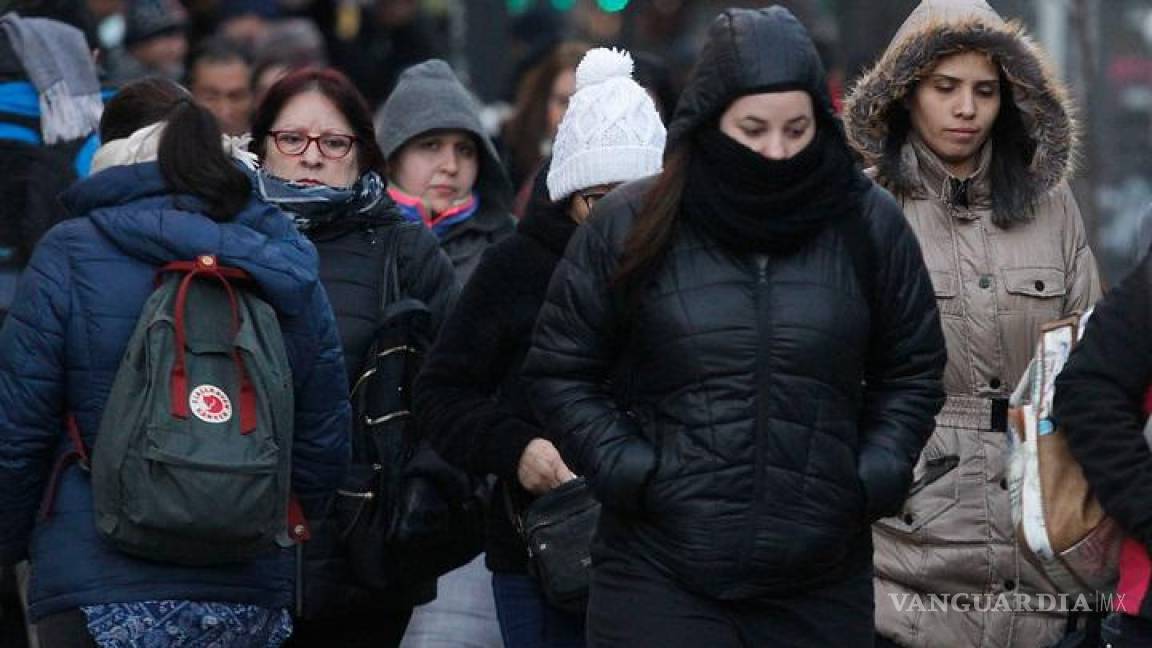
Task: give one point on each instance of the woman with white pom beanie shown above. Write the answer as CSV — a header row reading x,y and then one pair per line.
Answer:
x,y
471,394
742,356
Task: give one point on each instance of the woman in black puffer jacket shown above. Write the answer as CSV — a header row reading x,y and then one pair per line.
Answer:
x,y
744,358
319,163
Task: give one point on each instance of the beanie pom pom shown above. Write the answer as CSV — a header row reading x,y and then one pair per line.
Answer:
x,y
602,64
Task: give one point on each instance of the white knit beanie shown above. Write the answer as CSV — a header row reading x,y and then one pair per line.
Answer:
x,y
611,132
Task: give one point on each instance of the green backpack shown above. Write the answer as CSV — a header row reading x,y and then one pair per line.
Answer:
x,y
192,461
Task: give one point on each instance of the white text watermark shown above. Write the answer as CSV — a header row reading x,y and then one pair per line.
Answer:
x,y
1008,602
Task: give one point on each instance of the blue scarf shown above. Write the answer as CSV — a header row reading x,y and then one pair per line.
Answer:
x,y
313,205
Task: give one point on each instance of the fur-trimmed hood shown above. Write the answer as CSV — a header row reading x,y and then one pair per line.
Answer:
x,y
938,28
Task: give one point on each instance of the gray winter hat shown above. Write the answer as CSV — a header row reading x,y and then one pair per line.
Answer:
x,y
428,97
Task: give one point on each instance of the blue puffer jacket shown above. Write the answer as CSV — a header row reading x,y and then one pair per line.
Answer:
x,y
59,352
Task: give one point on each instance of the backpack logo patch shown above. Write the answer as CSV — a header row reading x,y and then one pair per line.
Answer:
x,y
210,404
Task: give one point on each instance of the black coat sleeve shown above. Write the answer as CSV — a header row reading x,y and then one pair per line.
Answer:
x,y
457,395
571,366
1099,402
904,391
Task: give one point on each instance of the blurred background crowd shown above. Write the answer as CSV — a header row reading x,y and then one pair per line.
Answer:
x,y
518,57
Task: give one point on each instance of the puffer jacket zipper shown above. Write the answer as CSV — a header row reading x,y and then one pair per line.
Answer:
x,y
763,325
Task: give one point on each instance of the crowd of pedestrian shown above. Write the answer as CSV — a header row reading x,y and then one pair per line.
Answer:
x,y
774,328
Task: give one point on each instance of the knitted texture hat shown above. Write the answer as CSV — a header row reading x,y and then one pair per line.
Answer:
x,y
611,132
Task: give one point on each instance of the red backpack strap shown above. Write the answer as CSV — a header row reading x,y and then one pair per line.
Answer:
x,y
206,265
77,454
298,529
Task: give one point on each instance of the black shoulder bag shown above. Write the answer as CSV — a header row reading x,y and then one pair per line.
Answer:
x,y
405,515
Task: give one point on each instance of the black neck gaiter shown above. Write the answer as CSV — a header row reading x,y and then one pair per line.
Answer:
x,y
752,204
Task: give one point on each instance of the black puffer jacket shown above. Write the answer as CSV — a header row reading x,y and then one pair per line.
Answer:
x,y
1101,395
751,461
351,269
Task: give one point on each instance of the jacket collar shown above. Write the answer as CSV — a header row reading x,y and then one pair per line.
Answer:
x,y
547,222
488,220
935,182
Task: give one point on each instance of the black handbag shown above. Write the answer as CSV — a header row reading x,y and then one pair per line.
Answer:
x,y
405,515
557,528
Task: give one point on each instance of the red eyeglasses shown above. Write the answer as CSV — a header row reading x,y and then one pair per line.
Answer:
x,y
333,146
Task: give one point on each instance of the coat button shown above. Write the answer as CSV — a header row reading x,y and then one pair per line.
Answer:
x,y
1004,484
994,383
985,281
1039,285
1009,584
909,518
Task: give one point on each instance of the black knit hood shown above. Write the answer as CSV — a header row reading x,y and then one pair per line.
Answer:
x,y
735,63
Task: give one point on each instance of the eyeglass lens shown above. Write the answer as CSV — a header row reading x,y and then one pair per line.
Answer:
x,y
333,146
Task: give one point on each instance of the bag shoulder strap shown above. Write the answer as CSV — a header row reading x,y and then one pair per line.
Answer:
x,y
390,279
865,265
78,454
865,260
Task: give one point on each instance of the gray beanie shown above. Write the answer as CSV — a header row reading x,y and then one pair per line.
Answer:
x,y
428,97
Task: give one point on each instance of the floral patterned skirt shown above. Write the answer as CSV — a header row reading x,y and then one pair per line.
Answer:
x,y
187,624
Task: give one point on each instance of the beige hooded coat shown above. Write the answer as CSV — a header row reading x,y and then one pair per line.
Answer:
x,y
996,283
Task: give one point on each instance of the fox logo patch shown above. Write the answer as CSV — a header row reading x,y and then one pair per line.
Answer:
x,y
210,404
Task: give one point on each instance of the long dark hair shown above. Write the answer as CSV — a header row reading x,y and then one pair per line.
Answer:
x,y
529,121
655,225
190,155
1007,172
336,88
1010,162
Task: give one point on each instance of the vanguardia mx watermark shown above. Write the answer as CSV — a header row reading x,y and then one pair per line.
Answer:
x,y
1008,602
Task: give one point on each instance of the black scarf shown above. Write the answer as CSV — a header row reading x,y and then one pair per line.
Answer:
x,y
752,204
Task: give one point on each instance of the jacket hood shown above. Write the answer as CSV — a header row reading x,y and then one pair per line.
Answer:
x,y
428,97
748,51
133,207
938,28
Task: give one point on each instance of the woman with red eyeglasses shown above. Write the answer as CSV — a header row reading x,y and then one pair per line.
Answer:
x,y
320,163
